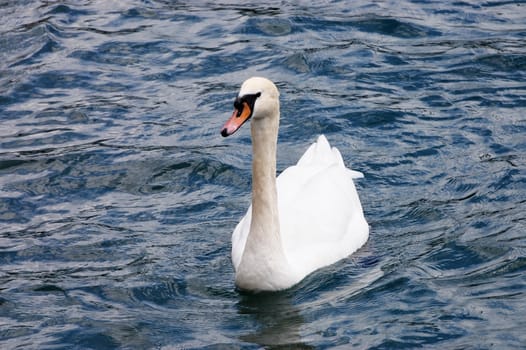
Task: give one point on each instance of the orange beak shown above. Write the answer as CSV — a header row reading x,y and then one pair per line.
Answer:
x,y
238,118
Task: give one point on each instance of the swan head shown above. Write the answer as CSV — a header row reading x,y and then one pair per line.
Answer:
x,y
258,99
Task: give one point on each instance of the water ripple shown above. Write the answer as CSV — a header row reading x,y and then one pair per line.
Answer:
x,y
118,196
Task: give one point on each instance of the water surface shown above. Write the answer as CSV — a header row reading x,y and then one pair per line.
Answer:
x,y
118,196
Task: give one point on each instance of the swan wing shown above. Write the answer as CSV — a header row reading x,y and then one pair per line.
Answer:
x,y
321,217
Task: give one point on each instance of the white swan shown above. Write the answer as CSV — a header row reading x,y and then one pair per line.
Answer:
x,y
307,218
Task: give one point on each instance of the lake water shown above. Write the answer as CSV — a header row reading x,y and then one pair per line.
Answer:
x,y
118,195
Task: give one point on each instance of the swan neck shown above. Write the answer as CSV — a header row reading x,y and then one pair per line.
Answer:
x,y
264,265
264,192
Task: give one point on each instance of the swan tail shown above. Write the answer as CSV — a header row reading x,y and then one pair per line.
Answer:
x,y
320,152
355,174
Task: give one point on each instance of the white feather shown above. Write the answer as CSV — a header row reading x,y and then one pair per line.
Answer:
x,y
320,218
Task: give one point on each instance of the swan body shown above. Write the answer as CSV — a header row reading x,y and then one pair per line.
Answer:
x,y
309,217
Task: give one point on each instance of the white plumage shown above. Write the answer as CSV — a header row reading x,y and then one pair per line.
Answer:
x,y
307,218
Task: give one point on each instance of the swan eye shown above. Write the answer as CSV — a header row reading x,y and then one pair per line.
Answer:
x,y
249,100
238,104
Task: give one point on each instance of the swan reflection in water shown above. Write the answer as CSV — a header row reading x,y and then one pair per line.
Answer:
x,y
278,321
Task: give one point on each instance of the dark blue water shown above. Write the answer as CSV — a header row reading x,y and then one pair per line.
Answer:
x,y
118,196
